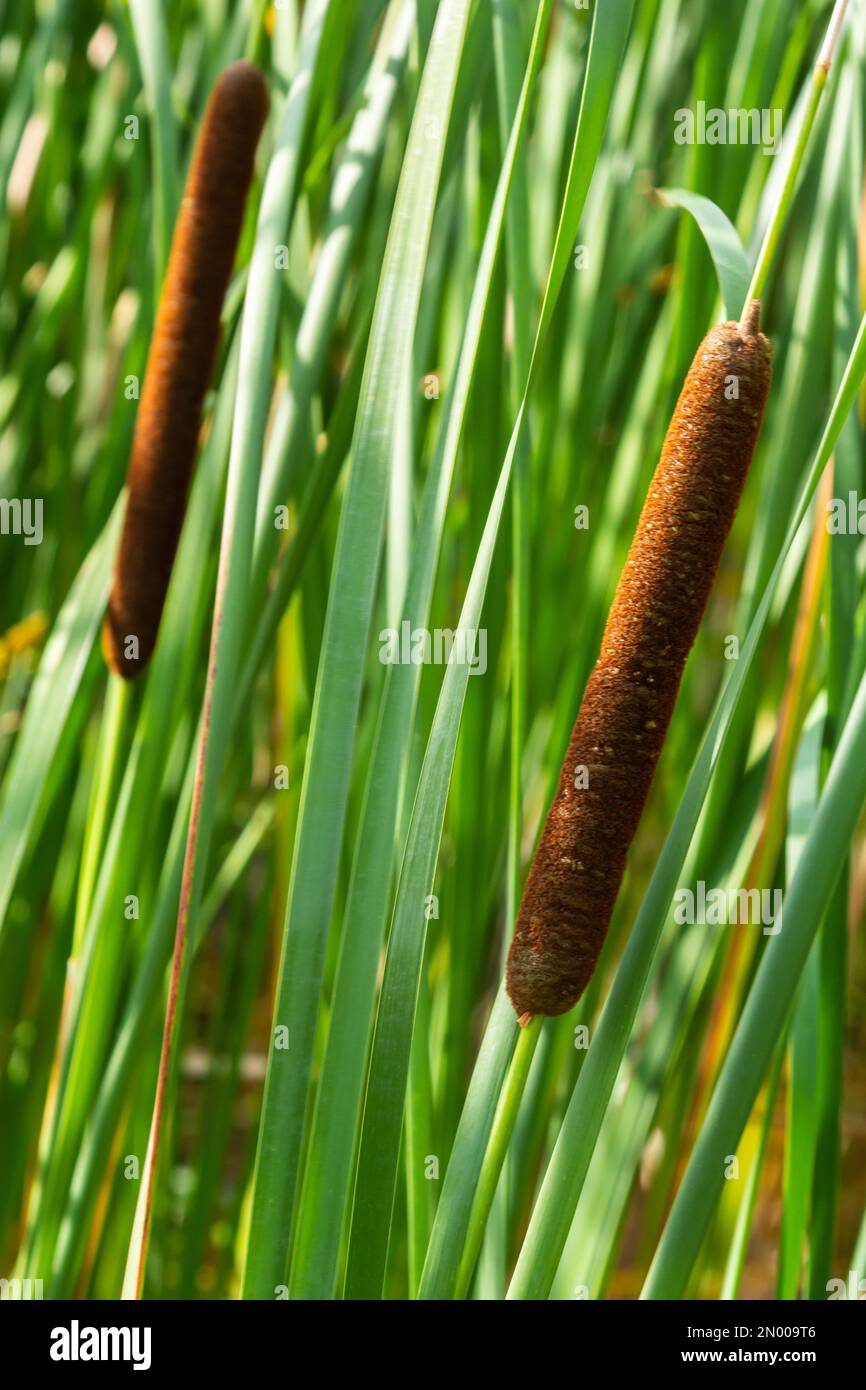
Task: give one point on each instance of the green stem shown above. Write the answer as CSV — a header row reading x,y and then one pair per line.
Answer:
x,y
102,794
500,1136
117,700
786,196
743,1227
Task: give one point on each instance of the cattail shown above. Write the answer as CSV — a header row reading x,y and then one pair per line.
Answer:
x,y
629,699
179,364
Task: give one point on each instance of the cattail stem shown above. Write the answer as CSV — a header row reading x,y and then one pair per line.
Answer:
x,y
820,73
497,1145
629,699
179,365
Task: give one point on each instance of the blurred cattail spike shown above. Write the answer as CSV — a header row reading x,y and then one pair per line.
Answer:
x,y
180,362
629,699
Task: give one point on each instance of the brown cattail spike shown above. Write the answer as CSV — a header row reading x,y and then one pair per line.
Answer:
x,y
630,696
179,364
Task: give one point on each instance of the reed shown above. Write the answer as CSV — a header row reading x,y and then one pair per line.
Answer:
x,y
179,365
630,696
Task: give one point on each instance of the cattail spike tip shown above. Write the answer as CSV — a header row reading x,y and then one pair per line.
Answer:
x,y
750,323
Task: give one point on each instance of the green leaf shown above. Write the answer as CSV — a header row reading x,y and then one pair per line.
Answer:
x,y
341,663
338,1100
766,1010
57,683
383,1105
152,42
723,244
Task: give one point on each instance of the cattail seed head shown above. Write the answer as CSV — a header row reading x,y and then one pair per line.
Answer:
x,y
629,699
182,352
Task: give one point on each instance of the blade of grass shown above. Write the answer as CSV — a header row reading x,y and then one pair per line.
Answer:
x,y
258,332
509,48
842,606
766,1009
152,43
745,1215
106,939
335,1117
349,196
57,683
111,751
802,1060
383,1102
338,683
723,243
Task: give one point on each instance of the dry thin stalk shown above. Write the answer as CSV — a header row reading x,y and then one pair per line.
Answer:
x,y
179,364
629,699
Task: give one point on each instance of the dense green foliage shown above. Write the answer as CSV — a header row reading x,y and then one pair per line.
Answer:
x,y
476,264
